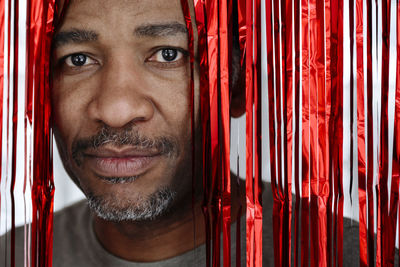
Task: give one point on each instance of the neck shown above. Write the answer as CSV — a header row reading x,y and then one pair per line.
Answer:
x,y
168,236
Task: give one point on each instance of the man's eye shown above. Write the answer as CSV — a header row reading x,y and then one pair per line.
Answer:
x,y
167,55
78,60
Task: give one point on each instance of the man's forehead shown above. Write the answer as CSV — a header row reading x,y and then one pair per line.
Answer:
x,y
156,30
94,14
134,7
93,20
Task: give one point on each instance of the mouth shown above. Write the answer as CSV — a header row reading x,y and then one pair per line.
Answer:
x,y
109,163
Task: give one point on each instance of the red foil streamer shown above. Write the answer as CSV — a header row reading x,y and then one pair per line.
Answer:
x,y
361,137
370,152
325,180
287,97
2,43
242,26
205,118
215,192
272,129
9,9
394,188
336,127
41,14
276,178
284,114
383,233
297,175
216,92
14,128
242,30
225,41
351,18
318,151
250,209
305,178
257,138
253,93
328,124
396,134
188,20
278,73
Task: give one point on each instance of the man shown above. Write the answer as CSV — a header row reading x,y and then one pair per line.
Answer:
x,y
121,105
121,101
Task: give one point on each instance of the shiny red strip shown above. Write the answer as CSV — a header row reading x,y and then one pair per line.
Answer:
x,y
317,135
328,131
8,89
225,42
287,95
305,178
383,233
278,87
277,177
242,30
2,43
42,28
361,137
249,136
213,52
297,175
351,19
396,134
14,128
328,117
370,148
336,127
189,26
272,128
205,118
257,138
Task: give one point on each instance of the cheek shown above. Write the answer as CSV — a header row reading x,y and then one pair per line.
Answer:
x,y
171,95
67,112
180,110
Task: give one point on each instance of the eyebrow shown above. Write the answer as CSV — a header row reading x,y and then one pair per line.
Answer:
x,y
160,30
77,36
74,36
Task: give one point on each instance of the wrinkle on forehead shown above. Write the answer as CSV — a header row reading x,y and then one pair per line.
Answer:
x,y
160,29
137,7
82,13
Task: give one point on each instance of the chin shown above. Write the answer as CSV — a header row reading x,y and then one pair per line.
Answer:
x,y
114,208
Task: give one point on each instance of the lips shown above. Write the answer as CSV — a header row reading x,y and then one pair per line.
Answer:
x,y
107,162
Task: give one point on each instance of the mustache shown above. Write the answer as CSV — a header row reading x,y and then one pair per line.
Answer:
x,y
124,137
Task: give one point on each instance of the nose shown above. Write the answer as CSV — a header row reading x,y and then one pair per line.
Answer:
x,y
121,97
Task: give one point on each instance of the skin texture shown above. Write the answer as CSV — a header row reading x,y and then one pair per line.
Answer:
x,y
125,84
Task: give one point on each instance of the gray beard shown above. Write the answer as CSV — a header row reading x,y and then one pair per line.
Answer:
x,y
141,209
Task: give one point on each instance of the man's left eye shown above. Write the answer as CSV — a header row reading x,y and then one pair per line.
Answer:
x,y
167,55
78,60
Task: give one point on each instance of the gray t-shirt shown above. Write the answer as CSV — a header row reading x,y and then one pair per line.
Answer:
x,y
76,245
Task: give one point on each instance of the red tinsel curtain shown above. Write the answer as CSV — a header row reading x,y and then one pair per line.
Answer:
x,y
332,99
37,176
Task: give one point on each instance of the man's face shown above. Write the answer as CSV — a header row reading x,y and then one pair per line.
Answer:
x,y
121,104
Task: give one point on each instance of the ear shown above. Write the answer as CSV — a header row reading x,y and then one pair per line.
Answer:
x,y
238,93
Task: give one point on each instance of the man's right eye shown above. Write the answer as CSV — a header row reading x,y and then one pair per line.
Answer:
x,y
78,60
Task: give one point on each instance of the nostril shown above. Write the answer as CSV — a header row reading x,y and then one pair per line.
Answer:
x,y
139,119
